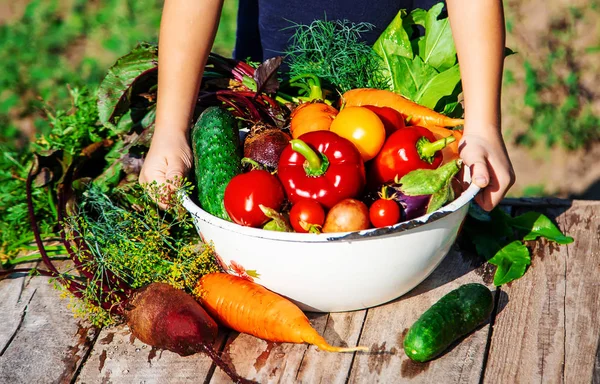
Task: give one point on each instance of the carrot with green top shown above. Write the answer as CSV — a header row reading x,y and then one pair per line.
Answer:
x,y
248,307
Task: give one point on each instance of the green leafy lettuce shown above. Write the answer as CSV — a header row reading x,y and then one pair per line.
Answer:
x,y
423,68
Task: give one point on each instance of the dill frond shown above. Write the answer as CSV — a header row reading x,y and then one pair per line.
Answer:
x,y
334,52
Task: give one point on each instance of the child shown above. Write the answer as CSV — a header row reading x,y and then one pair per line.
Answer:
x,y
187,33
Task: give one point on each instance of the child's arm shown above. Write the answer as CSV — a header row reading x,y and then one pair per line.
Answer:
x,y
479,35
187,32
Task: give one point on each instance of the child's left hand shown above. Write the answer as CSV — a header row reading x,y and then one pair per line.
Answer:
x,y
490,166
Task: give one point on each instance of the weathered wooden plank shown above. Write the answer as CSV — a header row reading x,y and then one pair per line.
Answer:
x,y
549,329
385,327
118,357
296,363
545,202
326,367
15,295
49,344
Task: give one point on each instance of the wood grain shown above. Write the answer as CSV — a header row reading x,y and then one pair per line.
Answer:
x,y
385,327
296,363
548,331
118,357
49,345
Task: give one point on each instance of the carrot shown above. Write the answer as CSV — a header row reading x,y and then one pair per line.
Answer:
x,y
451,151
417,114
250,308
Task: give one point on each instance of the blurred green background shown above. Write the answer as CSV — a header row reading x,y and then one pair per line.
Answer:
x,y
551,102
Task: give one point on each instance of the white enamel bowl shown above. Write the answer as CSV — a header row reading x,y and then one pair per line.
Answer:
x,y
337,271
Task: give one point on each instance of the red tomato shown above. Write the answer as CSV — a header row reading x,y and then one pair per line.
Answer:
x,y
392,120
308,211
247,191
384,212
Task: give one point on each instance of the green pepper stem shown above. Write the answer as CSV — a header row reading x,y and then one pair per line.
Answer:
x,y
316,164
427,149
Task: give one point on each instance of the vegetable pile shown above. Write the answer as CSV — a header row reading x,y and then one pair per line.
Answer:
x,y
347,137
331,144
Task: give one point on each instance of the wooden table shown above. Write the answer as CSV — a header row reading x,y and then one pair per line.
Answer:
x,y
545,329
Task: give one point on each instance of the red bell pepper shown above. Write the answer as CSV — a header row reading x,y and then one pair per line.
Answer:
x,y
405,150
323,166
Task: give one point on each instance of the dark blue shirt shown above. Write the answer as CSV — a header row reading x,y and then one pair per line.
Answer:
x,y
263,25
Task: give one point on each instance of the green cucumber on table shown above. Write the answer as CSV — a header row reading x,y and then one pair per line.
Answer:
x,y
217,157
453,316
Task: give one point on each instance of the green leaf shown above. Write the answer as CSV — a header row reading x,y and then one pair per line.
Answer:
x,y
429,181
535,224
410,76
438,86
115,91
440,198
512,261
394,40
439,51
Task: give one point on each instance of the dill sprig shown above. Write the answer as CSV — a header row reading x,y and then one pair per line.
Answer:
x,y
333,51
130,237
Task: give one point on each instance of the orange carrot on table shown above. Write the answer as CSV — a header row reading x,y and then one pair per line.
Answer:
x,y
250,308
418,114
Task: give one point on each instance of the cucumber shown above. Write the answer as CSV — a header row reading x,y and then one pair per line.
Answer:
x,y
217,157
453,316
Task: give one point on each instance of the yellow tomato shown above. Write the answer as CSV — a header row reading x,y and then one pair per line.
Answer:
x,y
311,117
362,127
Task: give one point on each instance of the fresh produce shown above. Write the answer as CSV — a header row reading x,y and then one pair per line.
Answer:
x,y
404,151
322,166
347,215
246,192
363,128
392,120
264,145
308,117
217,157
384,212
333,51
416,114
426,190
250,308
169,318
453,316
307,215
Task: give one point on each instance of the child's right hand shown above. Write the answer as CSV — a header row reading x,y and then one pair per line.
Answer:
x,y
169,158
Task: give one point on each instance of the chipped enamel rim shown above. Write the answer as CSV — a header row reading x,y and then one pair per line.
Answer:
x,y
201,215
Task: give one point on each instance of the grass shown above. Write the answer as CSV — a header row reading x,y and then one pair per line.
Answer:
x,y
55,43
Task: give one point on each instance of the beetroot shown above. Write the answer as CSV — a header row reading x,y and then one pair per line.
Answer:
x,y
167,318
264,145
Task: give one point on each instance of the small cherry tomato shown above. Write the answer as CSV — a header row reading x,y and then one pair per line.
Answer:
x,y
392,120
247,191
307,211
362,127
384,212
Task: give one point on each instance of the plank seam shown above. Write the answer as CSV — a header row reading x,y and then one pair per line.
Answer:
x,y
488,343
213,366
362,327
565,304
86,356
12,337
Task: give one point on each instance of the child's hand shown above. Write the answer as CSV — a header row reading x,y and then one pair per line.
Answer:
x,y
490,166
169,159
